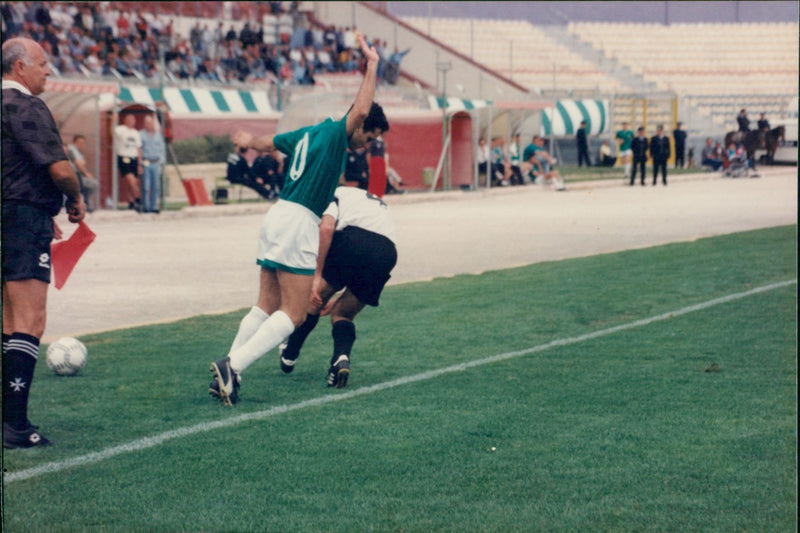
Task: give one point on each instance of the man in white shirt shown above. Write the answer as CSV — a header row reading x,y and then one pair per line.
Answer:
x,y
356,253
128,147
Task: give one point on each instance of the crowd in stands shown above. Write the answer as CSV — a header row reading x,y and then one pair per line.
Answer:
x,y
95,39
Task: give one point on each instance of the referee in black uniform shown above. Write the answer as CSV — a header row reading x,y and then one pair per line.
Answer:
x,y
36,178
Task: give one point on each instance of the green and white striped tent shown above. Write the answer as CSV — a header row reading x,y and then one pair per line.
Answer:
x,y
454,105
567,115
200,101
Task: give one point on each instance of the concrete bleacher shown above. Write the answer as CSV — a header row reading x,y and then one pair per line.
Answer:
x,y
718,68
519,51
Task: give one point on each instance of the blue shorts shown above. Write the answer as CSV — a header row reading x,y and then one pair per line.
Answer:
x,y
27,234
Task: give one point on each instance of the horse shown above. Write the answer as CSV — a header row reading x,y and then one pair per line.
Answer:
x,y
771,139
753,140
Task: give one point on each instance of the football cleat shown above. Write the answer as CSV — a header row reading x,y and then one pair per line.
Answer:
x,y
22,438
339,372
287,362
225,384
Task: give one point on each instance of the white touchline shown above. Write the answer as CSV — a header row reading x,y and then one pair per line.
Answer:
x,y
155,440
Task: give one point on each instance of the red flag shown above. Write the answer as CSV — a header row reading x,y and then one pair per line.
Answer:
x,y
64,255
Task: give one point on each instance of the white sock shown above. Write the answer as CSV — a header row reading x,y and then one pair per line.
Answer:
x,y
270,334
248,327
627,170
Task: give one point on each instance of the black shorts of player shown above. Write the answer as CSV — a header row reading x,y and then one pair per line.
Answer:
x,y
360,260
128,165
27,234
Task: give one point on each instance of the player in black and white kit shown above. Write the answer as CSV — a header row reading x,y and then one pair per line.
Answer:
x,y
357,253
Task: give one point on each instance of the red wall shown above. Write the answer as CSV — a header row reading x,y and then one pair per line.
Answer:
x,y
413,145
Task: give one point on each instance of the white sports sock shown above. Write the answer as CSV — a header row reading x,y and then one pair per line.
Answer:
x,y
627,170
248,327
271,333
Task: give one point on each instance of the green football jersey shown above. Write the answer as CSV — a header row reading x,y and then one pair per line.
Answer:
x,y
627,137
316,159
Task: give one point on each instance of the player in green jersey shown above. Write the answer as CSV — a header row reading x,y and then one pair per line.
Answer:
x,y
288,244
624,138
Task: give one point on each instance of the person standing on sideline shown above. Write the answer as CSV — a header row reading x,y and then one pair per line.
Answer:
x,y
289,234
36,177
639,149
357,231
128,146
89,184
680,145
154,155
624,137
583,145
659,151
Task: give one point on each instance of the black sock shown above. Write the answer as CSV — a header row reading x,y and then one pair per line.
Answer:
x,y
299,335
344,335
19,362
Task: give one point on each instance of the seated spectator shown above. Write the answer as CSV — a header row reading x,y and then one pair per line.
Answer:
x,y
239,172
605,157
709,157
482,156
536,155
266,170
501,169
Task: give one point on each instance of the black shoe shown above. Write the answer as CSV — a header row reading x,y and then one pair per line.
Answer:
x,y
287,361
225,384
339,372
22,438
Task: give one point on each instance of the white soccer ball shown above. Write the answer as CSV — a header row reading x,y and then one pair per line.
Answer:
x,y
66,356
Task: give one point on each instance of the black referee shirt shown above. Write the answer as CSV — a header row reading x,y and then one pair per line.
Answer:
x,y
30,144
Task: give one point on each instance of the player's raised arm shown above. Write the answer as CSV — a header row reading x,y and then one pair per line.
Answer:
x,y
366,93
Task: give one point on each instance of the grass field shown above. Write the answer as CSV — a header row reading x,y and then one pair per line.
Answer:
x,y
649,390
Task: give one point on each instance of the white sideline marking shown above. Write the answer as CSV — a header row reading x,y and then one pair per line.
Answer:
x,y
155,440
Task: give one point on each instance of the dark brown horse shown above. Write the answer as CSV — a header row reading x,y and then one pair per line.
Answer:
x,y
772,139
754,139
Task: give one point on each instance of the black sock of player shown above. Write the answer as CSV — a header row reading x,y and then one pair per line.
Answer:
x,y
299,335
344,335
19,362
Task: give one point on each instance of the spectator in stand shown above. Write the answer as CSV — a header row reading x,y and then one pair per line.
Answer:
x,y
583,145
393,66
743,122
680,145
89,184
501,170
709,156
659,152
639,147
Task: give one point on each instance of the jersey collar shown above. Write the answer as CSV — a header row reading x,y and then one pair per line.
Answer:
x,y
11,84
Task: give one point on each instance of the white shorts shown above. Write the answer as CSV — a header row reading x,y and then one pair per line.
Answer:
x,y
289,239
626,153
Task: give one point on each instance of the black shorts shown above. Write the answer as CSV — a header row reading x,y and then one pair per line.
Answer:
x,y
27,234
360,260
128,165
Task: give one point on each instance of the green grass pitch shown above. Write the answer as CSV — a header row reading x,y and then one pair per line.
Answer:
x,y
686,423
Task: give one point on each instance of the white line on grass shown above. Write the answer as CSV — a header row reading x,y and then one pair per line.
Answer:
x,y
155,440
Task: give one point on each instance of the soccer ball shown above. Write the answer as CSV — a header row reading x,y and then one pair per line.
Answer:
x,y
66,356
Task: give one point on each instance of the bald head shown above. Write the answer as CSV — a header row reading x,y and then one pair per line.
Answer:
x,y
24,61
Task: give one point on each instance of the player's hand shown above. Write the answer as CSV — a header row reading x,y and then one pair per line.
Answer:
x,y
76,210
316,292
325,311
242,139
369,52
